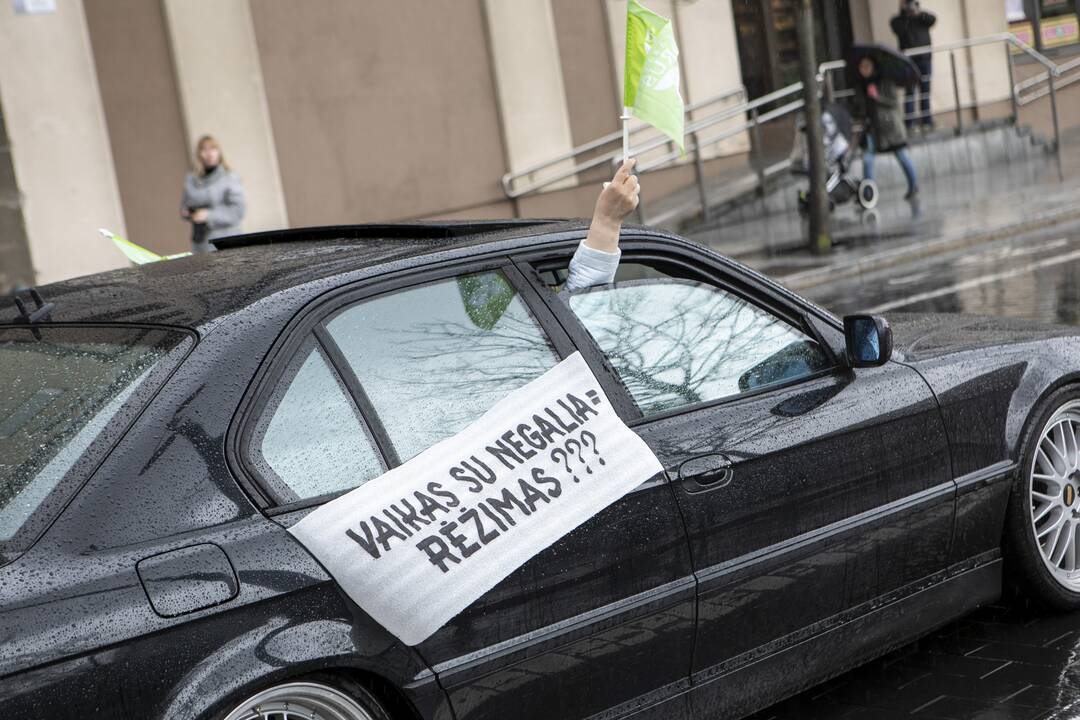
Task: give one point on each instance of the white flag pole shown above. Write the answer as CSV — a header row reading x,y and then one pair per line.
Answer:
x,y
625,133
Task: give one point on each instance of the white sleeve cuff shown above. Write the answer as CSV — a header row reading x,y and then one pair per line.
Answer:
x,y
590,266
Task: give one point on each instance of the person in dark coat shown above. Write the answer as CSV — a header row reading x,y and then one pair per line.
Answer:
x,y
883,123
213,198
912,28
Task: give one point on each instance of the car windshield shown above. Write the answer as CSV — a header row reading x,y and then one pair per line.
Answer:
x,y
59,390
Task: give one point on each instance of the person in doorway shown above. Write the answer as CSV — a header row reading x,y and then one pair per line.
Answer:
x,y
882,122
597,257
912,29
213,198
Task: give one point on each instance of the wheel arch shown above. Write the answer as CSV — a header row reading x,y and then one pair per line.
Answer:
x,y
1026,563
287,651
1029,397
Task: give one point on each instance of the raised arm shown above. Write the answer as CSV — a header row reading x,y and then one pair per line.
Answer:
x,y
618,199
597,258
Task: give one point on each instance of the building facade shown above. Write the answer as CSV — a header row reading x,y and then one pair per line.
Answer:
x,y
336,111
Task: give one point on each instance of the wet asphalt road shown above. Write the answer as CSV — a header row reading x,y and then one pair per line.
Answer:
x,y
1034,276
1007,662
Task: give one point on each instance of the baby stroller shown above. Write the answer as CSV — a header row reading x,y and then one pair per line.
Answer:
x,y
840,145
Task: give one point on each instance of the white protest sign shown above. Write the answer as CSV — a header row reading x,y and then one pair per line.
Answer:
x,y
418,544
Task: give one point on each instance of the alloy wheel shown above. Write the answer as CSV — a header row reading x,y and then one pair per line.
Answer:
x,y
1054,486
300,701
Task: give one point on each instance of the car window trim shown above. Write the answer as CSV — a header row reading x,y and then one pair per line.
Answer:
x,y
273,484
560,314
310,323
360,398
772,303
721,271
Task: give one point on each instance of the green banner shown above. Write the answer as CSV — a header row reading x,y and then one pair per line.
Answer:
x,y
651,77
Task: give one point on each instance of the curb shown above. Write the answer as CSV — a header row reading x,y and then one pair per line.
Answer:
x,y
806,279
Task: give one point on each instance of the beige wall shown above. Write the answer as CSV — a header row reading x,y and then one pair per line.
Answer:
x,y
592,100
392,114
142,108
991,83
529,83
710,54
219,77
861,24
60,147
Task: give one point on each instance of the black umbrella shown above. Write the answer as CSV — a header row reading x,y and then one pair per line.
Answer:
x,y
891,64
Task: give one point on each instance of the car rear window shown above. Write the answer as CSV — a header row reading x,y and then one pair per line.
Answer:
x,y
64,393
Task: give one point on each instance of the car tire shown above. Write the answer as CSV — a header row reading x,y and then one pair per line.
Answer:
x,y
311,696
1042,524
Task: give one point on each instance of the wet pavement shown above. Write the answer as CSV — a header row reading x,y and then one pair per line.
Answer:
x,y
1004,196
1006,662
1035,276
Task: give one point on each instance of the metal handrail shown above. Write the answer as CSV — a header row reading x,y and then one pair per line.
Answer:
x,y
509,179
1043,78
615,154
694,128
697,144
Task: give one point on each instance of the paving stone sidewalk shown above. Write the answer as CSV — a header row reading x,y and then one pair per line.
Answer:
x,y
1005,662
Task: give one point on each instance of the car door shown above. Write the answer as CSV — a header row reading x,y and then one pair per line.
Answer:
x,y
600,621
809,490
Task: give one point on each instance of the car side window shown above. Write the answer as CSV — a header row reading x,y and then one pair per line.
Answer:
x,y
677,342
310,439
432,358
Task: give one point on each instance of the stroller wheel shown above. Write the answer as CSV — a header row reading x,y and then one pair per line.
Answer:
x,y
868,194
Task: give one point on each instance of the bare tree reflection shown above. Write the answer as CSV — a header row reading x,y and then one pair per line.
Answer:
x,y
673,343
677,342
513,352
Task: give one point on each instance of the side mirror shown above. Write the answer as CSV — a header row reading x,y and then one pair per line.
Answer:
x,y
868,339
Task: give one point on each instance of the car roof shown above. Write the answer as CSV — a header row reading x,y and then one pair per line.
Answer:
x,y
197,290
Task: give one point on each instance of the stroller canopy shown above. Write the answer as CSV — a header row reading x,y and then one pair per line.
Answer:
x,y
841,117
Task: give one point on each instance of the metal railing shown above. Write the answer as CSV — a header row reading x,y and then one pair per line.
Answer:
x,y
552,174
1041,81
752,114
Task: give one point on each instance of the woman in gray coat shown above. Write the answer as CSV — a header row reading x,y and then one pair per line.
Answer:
x,y
213,200
884,123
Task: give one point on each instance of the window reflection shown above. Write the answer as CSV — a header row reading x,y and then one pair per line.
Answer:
x,y
312,437
433,358
678,342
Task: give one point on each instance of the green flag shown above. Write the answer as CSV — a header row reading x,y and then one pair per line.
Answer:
x,y
137,253
651,79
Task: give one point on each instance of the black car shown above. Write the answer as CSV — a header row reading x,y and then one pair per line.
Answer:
x,y
826,498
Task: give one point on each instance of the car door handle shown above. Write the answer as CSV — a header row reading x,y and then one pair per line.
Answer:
x,y
706,472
